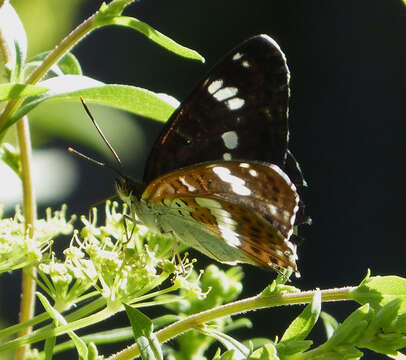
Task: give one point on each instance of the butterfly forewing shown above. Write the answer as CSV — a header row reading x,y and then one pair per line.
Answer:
x,y
239,111
248,205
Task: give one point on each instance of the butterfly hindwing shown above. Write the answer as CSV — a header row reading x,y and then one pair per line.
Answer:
x,y
226,202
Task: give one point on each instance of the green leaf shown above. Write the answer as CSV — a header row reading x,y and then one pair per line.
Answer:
x,y
60,320
400,323
114,8
70,87
150,33
377,338
16,71
255,343
383,317
268,352
93,352
9,155
380,290
228,355
67,65
345,352
351,329
278,289
386,344
13,36
330,324
304,323
229,342
14,91
147,342
49,347
293,347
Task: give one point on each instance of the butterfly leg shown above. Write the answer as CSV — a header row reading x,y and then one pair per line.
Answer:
x,y
125,218
175,254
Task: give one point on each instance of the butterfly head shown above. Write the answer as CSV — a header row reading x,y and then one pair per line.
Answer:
x,y
128,189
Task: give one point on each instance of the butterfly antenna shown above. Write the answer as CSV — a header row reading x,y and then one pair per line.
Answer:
x,y
94,161
102,136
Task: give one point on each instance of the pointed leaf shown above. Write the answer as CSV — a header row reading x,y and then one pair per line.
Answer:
x,y
291,347
147,342
228,355
380,290
150,33
304,323
10,157
268,352
351,328
241,351
383,317
330,324
15,91
70,87
67,65
114,8
60,320
13,35
49,347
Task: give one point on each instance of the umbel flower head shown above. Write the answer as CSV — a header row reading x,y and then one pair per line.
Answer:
x,y
120,262
18,249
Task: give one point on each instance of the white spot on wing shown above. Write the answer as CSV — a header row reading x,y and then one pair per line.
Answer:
x,y
226,224
214,86
190,188
225,93
207,203
235,103
244,165
237,56
246,64
253,172
230,139
229,236
227,156
237,184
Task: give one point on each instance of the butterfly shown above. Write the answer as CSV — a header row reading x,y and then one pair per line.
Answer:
x,y
220,177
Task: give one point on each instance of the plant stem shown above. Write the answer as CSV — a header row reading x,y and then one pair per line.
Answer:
x,y
30,214
45,333
253,303
77,314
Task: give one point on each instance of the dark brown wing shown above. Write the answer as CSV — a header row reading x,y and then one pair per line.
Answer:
x,y
239,111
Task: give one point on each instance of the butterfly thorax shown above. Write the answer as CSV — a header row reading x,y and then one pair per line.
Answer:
x,y
130,191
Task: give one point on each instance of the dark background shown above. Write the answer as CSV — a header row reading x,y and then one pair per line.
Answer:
x,y
347,61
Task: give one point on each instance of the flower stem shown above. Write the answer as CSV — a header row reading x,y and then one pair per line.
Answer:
x,y
253,303
30,214
40,335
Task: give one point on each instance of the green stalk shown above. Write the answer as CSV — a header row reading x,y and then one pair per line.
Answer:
x,y
257,302
52,332
77,314
30,215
